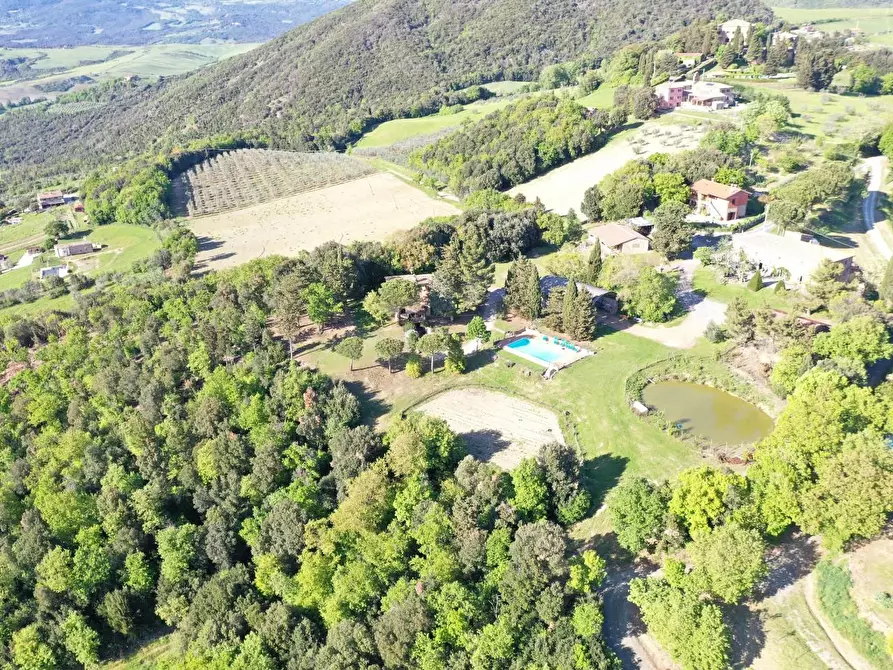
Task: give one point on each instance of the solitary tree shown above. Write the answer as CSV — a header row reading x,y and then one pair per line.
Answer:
x,y
351,348
592,203
672,234
321,304
477,329
56,229
430,345
388,348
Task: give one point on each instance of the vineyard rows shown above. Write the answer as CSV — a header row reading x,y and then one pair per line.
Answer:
x,y
246,177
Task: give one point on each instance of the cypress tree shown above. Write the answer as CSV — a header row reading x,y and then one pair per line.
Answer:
x,y
569,311
584,314
736,42
554,309
477,271
532,297
754,48
595,264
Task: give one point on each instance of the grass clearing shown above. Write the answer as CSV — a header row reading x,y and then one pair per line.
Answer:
x,y
389,132
871,569
600,98
836,117
496,427
833,585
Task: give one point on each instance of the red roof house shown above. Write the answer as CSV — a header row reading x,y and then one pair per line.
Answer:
x,y
718,202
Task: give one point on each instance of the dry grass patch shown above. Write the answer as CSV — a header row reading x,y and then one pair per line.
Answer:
x,y
496,427
371,208
562,189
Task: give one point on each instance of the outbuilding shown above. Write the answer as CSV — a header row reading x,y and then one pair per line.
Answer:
x,y
617,239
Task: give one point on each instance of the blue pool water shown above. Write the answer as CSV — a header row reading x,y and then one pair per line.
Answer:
x,y
543,351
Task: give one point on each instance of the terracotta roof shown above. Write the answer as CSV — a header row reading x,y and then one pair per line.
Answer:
x,y
50,195
715,189
613,235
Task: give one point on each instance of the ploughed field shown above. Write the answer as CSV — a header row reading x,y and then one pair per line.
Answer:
x,y
370,208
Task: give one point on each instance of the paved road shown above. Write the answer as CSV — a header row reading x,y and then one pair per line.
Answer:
x,y
870,215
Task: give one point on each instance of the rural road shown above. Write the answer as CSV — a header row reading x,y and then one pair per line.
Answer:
x,y
870,216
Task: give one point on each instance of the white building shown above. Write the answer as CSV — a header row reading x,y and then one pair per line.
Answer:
x,y
727,29
60,271
772,253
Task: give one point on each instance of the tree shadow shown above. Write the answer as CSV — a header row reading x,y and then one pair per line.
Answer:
x,y
479,359
484,444
206,243
791,559
371,404
747,633
601,474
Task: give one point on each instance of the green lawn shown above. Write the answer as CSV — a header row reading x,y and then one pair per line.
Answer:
x,y
505,87
31,226
705,280
125,244
397,130
601,98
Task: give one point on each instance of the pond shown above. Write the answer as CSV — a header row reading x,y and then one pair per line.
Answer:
x,y
708,412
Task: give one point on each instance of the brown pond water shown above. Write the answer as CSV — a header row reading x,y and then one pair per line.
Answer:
x,y
708,412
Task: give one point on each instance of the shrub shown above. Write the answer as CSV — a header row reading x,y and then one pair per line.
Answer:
x,y
780,287
414,366
756,282
715,333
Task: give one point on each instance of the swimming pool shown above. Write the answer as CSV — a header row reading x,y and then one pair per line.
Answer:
x,y
542,351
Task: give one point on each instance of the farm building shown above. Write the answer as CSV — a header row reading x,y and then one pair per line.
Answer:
x,y
718,201
60,271
4,262
727,30
50,199
773,253
671,94
603,299
421,311
75,249
617,239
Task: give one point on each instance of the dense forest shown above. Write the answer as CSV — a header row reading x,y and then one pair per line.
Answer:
x,y
163,463
321,84
513,145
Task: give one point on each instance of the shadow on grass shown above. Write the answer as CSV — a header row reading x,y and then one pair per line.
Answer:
x,y
746,628
371,405
601,474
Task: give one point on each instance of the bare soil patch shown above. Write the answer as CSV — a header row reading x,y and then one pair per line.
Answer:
x,y
370,208
496,427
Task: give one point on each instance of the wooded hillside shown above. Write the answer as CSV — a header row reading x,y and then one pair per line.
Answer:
x,y
319,85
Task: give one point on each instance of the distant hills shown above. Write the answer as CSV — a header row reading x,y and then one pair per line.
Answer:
x,y
316,85
57,23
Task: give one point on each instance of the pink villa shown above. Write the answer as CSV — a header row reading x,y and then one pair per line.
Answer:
x,y
694,94
671,94
718,201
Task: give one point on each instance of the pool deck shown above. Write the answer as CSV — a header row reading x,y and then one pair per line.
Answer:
x,y
559,364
